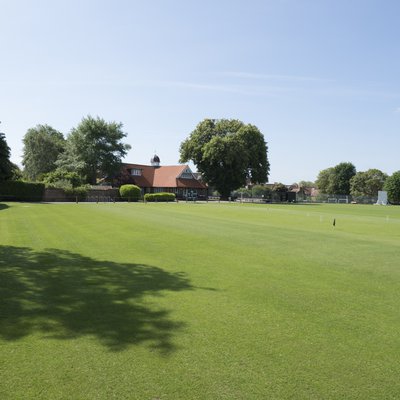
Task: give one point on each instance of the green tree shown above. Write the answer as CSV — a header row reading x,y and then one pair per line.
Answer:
x,y
260,191
6,166
324,181
367,183
70,161
94,149
306,184
42,146
59,177
336,180
16,172
392,186
342,174
228,153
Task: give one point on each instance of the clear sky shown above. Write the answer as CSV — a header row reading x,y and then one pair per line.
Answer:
x,y
319,78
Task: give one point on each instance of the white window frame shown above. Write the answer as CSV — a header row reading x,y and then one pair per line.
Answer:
x,y
136,172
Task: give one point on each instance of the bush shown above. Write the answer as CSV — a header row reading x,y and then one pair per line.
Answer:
x,y
21,191
61,179
69,182
241,193
61,184
261,191
130,192
159,197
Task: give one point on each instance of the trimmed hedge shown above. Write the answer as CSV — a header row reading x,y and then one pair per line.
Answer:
x,y
158,197
21,191
130,192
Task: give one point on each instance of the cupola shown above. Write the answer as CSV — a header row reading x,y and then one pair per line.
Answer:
x,y
155,161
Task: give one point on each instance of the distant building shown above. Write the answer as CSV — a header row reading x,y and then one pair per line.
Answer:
x,y
154,178
304,192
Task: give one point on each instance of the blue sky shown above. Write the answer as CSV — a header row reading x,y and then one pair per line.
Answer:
x,y
319,78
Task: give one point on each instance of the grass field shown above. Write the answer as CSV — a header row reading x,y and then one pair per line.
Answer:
x,y
199,301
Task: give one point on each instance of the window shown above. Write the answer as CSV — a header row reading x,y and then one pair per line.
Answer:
x,y
186,174
136,171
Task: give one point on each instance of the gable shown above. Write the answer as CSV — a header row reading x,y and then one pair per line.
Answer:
x,y
186,174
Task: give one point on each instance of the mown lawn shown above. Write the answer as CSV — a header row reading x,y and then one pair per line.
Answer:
x,y
199,301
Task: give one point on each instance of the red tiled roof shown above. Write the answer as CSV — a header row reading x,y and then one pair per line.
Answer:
x,y
164,176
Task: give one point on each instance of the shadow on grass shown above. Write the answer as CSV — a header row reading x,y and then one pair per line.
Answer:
x,y
65,295
3,206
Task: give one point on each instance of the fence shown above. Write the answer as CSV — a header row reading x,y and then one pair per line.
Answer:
x,y
338,198
112,195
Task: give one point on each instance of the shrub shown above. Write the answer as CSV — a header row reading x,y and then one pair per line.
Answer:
x,y
21,191
61,184
159,197
130,192
61,179
261,191
241,192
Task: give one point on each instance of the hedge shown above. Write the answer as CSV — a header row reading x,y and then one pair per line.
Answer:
x,y
158,197
130,192
21,191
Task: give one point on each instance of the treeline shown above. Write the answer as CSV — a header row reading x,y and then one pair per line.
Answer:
x,y
227,153
92,151
267,192
343,179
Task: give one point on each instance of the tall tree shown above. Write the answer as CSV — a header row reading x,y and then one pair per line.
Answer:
x,y
342,173
42,146
336,180
94,149
367,183
392,186
16,172
324,181
6,166
228,153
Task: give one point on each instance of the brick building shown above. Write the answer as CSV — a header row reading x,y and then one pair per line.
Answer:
x,y
178,179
